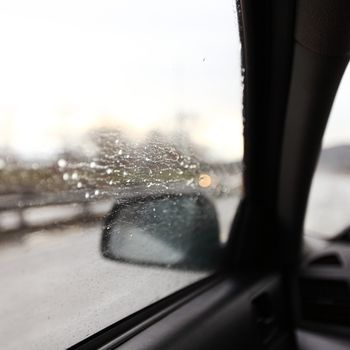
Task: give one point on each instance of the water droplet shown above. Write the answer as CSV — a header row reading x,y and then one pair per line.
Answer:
x,y
65,176
87,195
79,184
125,173
62,163
189,182
120,152
92,164
75,176
97,192
109,171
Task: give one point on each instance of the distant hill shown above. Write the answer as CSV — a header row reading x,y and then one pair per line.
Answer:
x,y
335,159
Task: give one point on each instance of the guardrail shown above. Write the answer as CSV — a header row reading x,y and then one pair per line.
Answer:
x,y
27,212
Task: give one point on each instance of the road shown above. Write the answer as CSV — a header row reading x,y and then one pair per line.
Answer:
x,y
56,288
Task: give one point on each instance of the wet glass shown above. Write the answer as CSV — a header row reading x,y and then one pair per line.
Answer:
x,y
102,101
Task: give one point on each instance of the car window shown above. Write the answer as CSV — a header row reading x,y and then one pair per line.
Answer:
x,y
120,158
328,212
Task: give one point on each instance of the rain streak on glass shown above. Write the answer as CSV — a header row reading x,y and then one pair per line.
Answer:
x,y
102,104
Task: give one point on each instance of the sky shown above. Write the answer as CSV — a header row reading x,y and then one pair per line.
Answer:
x,y
69,66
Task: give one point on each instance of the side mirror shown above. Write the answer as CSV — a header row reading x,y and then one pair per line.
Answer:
x,y
174,230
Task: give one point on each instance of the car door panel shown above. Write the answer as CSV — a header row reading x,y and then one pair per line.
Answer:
x,y
310,340
235,312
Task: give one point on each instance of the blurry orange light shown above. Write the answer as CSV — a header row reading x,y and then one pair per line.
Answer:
x,y
204,180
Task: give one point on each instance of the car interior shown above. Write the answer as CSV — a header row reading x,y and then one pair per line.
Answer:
x,y
270,290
